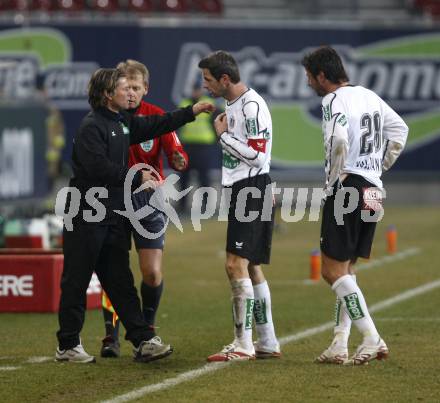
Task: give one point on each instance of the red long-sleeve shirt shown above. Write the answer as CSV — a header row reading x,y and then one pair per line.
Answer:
x,y
150,151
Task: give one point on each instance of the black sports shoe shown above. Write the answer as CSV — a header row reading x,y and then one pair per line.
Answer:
x,y
110,348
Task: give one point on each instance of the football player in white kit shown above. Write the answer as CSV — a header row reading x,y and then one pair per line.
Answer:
x,y
363,137
245,134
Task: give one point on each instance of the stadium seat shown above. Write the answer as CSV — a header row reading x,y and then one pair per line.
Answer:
x,y
208,6
13,5
175,6
429,6
70,5
107,6
42,5
140,6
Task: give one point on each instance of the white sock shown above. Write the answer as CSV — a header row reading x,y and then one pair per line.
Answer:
x,y
354,303
263,315
342,322
242,308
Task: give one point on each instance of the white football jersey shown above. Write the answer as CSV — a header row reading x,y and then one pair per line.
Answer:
x,y
247,144
367,124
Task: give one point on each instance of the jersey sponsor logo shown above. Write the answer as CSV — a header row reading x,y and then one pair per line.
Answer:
x,y
342,120
16,286
260,311
229,161
238,245
147,146
249,313
252,127
231,122
326,114
353,306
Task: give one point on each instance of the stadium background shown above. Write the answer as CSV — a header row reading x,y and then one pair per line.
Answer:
x,y
392,46
387,49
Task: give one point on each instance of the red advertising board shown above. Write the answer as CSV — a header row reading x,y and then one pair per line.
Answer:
x,y
31,283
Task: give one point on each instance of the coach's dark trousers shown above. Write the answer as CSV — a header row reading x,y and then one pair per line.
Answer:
x,y
103,248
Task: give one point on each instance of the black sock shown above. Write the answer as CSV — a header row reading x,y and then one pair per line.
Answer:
x,y
110,330
150,301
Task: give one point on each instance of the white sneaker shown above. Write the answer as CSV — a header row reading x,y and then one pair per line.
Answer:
x,y
366,353
335,354
76,354
263,350
150,350
231,352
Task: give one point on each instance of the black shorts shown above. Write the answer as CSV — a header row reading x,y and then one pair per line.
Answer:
x,y
247,237
353,236
153,224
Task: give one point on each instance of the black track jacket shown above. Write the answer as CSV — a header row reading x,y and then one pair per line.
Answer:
x,y
100,151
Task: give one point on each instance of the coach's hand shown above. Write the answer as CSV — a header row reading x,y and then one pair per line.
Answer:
x,y
221,124
200,107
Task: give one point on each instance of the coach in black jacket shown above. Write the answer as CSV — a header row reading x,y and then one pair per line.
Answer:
x,y
100,159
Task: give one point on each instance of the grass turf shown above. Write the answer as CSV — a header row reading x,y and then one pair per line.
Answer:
x,y
195,317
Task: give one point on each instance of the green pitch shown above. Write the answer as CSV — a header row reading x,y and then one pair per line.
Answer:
x,y
195,317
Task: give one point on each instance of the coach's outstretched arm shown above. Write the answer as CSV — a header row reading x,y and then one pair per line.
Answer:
x,y
151,126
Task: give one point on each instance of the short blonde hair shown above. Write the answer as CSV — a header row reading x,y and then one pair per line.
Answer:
x,y
132,67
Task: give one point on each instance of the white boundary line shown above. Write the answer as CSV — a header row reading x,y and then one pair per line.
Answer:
x,y
9,368
38,360
196,373
388,259
407,319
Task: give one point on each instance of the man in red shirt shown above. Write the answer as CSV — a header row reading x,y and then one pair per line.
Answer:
x,y
149,250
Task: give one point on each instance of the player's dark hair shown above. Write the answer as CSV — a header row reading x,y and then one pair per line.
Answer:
x,y
219,63
327,60
103,81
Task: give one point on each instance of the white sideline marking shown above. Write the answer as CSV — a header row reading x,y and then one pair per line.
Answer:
x,y
388,259
362,266
9,368
407,319
37,360
195,373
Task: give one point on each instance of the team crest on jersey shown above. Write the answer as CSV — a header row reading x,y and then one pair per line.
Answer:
x,y
147,145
